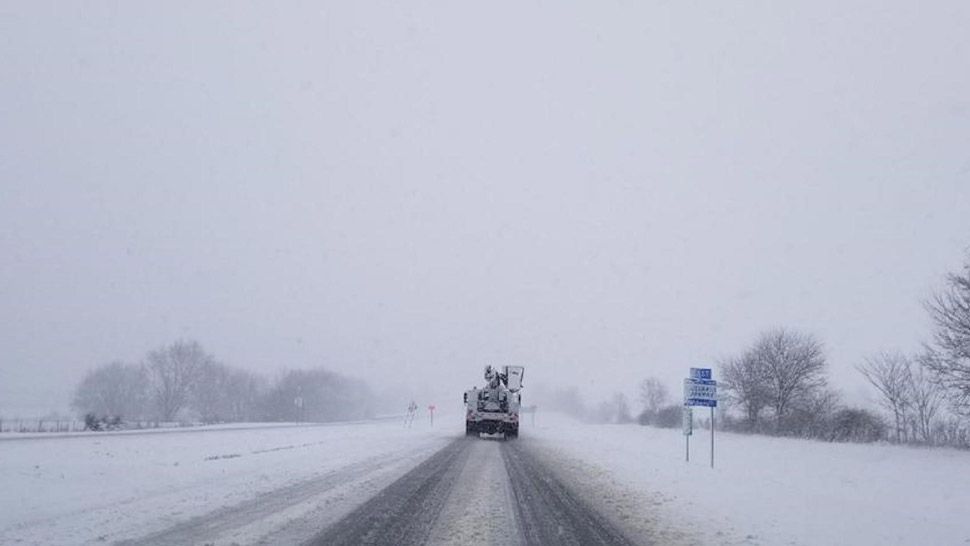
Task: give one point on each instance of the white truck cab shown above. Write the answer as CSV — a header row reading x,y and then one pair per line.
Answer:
x,y
495,408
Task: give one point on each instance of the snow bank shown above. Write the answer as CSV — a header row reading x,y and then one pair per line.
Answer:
x,y
765,490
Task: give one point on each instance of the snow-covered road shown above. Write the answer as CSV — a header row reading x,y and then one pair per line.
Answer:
x,y
560,481
477,491
376,483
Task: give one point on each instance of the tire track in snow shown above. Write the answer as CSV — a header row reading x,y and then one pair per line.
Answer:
x,y
548,511
406,511
476,491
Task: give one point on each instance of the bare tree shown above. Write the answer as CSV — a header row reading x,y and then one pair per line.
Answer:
x,y
746,384
173,371
318,395
245,392
795,368
225,394
210,395
953,431
891,374
653,395
622,408
926,399
113,390
811,416
950,349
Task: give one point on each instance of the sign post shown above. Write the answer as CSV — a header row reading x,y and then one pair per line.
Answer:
x,y
688,424
701,390
431,409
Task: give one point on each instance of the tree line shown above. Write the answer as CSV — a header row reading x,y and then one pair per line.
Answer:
x,y
182,382
779,385
926,395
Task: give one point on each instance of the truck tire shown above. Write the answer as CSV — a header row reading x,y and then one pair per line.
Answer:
x,y
470,430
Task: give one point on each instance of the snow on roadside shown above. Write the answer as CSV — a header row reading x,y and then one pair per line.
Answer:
x,y
763,490
108,487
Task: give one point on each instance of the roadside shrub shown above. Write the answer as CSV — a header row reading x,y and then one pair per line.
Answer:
x,y
91,422
857,425
669,416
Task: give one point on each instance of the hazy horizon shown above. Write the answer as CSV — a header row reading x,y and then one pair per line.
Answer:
x,y
405,193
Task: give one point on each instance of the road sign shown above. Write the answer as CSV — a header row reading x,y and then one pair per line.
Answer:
x,y
688,420
700,392
700,373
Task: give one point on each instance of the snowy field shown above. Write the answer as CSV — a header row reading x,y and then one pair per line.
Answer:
x,y
764,490
105,487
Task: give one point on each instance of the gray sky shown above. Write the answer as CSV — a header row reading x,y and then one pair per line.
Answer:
x,y
408,191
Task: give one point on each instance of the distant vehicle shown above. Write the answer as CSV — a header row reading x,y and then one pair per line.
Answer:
x,y
495,408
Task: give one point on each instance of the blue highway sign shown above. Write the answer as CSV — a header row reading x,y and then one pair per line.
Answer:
x,y
700,373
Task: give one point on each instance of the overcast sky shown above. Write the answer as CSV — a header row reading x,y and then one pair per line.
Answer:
x,y
407,191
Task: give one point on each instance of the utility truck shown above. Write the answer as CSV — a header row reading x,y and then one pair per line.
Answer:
x,y
495,408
